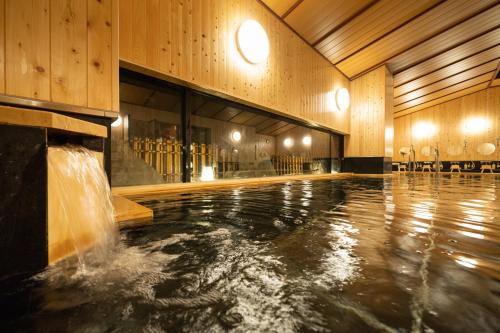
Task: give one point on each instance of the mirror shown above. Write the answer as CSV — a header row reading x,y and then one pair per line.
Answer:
x,y
486,148
404,150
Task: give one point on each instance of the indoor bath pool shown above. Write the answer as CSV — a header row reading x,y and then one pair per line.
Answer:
x,y
418,253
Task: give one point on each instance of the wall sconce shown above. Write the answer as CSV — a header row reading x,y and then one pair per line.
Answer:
x,y
117,122
236,136
252,41
288,142
306,140
342,99
475,125
423,129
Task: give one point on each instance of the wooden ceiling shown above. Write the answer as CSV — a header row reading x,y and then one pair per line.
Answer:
x,y
202,107
437,50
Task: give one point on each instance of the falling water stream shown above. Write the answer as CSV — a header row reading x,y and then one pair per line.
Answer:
x,y
81,214
407,253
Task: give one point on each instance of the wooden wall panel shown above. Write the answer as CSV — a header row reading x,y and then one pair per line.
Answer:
x,y
28,48
100,43
371,114
448,119
62,51
195,43
68,51
2,47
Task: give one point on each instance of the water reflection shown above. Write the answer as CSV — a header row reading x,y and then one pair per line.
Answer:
x,y
415,253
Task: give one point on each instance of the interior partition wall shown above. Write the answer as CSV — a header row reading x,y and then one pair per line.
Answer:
x,y
168,133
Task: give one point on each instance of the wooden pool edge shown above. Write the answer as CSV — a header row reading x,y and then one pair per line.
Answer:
x,y
177,188
160,189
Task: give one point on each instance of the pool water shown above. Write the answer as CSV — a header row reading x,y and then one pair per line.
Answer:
x,y
418,253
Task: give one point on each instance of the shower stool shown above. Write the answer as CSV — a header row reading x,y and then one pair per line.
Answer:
x,y
401,166
426,166
455,166
486,166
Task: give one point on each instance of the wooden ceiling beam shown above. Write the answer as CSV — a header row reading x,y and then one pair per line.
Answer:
x,y
485,78
470,61
390,32
349,19
443,99
430,80
495,75
291,9
432,35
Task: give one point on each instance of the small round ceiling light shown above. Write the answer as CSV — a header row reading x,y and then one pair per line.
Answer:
x,y
236,136
253,42
342,98
288,142
306,140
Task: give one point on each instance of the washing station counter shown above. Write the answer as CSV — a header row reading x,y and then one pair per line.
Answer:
x,y
34,226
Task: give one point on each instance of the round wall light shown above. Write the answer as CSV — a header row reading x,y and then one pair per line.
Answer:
x,y
342,98
288,142
253,42
236,136
306,140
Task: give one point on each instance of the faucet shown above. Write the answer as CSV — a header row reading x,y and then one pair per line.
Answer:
x,y
436,158
411,159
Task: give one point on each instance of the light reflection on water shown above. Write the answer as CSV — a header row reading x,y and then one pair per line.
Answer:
x,y
390,254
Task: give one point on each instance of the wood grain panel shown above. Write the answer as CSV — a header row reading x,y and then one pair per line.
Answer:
x,y
61,51
380,19
280,7
371,113
450,81
443,92
2,47
449,118
100,42
440,74
312,19
27,33
457,35
442,99
486,41
115,57
196,40
418,30
68,51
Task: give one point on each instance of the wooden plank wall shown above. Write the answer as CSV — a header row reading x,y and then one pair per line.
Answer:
x,y
371,115
448,119
194,41
60,51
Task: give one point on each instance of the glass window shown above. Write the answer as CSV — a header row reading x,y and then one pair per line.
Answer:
x,y
227,140
146,145
230,141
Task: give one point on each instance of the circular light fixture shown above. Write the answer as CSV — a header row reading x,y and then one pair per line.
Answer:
x,y
342,98
306,140
117,122
253,42
288,142
236,136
